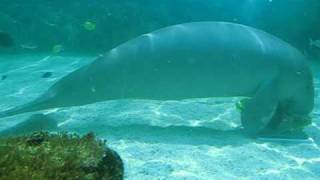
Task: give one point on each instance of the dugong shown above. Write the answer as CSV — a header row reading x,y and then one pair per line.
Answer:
x,y
194,60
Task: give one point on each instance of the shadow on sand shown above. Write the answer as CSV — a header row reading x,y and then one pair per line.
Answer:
x,y
184,135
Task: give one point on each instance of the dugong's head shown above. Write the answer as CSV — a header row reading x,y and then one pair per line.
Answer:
x,y
298,91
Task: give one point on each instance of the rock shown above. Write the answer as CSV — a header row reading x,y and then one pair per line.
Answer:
x,y
44,155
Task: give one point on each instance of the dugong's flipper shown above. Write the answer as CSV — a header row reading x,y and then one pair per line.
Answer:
x,y
258,111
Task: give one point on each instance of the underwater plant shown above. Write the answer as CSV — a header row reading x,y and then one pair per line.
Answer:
x,y
44,155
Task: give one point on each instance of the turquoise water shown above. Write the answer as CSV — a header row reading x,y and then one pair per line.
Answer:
x,y
39,25
190,139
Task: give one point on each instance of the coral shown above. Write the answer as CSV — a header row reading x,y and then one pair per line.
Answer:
x,y
45,155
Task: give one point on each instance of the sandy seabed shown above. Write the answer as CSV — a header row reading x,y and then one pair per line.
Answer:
x,y
190,139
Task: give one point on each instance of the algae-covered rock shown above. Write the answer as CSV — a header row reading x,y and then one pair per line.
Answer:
x,y
58,156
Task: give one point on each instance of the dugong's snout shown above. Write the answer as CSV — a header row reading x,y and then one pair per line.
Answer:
x,y
302,100
301,104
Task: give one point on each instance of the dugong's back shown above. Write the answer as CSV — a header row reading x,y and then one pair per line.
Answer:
x,y
195,60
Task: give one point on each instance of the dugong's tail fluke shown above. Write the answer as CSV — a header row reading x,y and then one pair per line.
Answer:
x,y
13,111
36,105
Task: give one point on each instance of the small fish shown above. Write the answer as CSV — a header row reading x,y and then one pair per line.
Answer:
x,y
57,48
30,46
50,24
89,26
315,43
46,74
6,40
240,105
